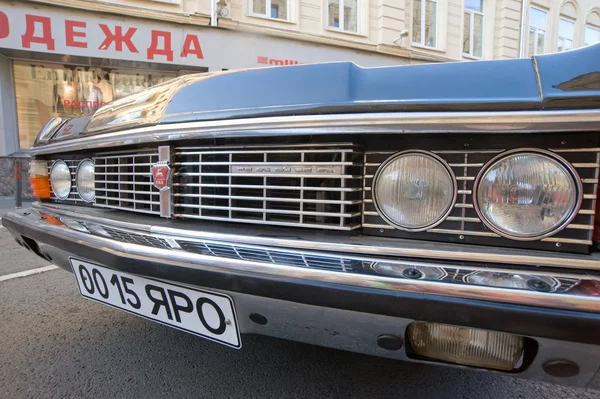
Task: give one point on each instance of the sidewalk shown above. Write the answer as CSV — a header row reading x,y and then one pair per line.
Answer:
x,y
8,204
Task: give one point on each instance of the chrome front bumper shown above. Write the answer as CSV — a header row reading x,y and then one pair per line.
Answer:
x,y
344,309
309,256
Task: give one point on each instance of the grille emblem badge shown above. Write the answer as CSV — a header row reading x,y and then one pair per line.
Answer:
x,y
161,175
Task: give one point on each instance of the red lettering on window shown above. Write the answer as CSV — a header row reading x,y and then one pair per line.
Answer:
x,y
30,37
166,50
4,27
71,34
66,103
118,38
191,45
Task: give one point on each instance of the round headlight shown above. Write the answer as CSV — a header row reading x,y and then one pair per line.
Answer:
x,y
60,179
85,180
527,194
414,190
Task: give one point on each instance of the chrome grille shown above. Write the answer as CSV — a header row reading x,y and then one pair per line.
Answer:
x,y
259,254
73,195
464,221
124,181
308,185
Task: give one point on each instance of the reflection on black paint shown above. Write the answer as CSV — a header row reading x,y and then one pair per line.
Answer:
x,y
588,81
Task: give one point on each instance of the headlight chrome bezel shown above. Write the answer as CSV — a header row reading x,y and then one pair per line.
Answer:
x,y
571,171
435,158
77,180
54,164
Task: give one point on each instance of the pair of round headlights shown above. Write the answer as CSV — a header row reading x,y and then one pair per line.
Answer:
x,y
522,194
61,180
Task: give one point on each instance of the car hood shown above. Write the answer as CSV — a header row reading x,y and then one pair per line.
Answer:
x,y
555,81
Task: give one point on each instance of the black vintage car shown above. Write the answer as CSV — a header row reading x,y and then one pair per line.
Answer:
x,y
434,213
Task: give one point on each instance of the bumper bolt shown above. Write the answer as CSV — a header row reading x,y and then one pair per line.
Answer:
x,y
412,273
539,285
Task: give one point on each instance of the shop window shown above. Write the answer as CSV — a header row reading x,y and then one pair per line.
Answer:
x,y
566,32
47,91
425,22
473,29
537,30
277,9
343,15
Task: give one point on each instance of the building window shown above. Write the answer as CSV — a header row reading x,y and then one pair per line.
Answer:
x,y
425,22
277,9
473,28
343,15
566,32
592,35
537,30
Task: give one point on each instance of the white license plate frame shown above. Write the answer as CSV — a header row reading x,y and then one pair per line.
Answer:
x,y
212,315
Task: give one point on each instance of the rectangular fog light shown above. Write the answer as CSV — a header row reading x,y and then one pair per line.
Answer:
x,y
467,346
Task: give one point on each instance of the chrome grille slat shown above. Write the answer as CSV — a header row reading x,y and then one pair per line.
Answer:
x,y
124,181
316,186
464,221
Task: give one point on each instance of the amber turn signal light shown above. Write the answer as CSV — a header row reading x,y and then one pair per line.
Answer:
x,y
38,179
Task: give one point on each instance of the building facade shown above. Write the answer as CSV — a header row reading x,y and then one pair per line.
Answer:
x,y
68,57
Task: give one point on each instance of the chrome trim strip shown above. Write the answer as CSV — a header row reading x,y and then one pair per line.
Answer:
x,y
249,268
394,123
364,245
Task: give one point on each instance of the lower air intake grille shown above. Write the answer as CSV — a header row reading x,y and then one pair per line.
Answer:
x,y
133,238
315,186
257,254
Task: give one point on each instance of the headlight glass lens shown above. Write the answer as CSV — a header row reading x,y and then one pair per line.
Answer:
x,y
85,180
413,191
60,179
526,195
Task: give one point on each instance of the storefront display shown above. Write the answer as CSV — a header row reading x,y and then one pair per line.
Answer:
x,y
45,91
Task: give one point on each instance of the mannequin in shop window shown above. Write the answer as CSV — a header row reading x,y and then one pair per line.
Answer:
x,y
106,88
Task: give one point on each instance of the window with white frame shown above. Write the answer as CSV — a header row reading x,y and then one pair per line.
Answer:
x,y
592,35
276,9
566,32
473,28
425,22
537,30
343,15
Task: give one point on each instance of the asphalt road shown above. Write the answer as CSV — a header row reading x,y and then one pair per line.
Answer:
x,y
54,344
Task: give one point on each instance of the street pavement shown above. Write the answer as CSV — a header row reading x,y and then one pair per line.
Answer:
x,y
55,344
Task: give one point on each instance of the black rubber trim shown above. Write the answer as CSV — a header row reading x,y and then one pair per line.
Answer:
x,y
563,325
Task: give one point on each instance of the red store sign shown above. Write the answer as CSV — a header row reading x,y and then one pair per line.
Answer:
x,y
62,31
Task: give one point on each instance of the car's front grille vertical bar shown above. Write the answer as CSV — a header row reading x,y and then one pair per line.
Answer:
x,y
166,204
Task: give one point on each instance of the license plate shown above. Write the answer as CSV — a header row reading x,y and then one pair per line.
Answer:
x,y
206,314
